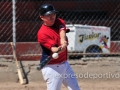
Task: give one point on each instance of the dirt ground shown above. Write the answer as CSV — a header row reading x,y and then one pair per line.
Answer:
x,y
86,85
92,74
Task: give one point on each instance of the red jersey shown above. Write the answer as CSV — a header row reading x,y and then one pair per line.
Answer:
x,y
48,36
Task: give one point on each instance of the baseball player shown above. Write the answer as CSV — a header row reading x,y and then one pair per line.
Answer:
x,y
52,36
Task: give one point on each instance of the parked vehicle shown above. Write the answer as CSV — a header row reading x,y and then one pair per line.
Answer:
x,y
88,39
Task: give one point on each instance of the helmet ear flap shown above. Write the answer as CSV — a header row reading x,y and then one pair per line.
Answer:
x,y
46,9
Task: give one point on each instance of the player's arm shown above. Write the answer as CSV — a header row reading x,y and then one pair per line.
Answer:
x,y
63,39
63,30
55,49
49,43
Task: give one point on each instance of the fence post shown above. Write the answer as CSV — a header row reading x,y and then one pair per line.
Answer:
x,y
14,23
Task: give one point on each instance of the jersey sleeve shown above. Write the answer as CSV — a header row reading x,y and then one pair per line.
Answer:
x,y
47,42
62,26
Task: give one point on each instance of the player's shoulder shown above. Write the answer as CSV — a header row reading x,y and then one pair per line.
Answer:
x,y
41,29
60,20
42,33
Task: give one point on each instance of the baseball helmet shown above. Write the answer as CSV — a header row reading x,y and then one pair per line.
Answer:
x,y
46,9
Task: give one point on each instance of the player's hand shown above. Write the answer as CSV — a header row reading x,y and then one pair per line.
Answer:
x,y
61,49
64,43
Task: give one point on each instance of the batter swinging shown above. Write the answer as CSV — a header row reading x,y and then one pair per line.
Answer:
x,y
52,36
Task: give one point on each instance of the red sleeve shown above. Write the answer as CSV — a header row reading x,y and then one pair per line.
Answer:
x,y
62,25
44,40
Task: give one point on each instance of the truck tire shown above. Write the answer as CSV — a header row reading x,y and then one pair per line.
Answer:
x,y
93,49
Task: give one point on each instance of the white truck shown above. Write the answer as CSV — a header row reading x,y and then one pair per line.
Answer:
x,y
88,39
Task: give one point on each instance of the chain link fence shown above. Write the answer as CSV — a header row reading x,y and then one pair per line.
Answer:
x,y
20,22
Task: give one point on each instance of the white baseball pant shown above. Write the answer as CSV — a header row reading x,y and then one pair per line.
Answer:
x,y
56,74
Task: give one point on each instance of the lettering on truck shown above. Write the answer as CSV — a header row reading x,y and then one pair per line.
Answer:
x,y
88,37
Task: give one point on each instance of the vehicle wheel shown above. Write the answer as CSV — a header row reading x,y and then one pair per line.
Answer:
x,y
94,49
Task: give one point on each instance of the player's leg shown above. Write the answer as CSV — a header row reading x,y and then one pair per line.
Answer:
x,y
70,80
52,76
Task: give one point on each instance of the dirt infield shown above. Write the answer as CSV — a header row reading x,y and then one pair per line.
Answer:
x,y
92,74
85,85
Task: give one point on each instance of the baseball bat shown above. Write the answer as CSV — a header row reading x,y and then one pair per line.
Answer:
x,y
46,61
18,67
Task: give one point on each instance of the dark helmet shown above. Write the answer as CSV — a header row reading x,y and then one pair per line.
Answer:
x,y
46,9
